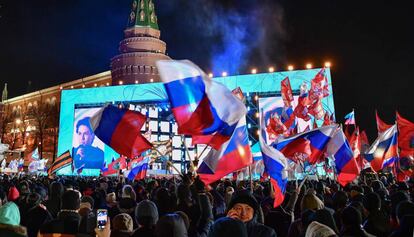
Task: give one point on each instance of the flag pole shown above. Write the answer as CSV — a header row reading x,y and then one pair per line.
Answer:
x,y
172,166
251,179
188,154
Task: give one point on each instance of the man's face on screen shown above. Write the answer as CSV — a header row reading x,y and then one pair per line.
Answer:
x,y
85,136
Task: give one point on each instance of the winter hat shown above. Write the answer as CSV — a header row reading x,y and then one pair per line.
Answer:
x,y
111,197
89,201
128,192
316,229
312,202
70,200
170,225
123,222
244,197
9,214
13,194
146,213
226,226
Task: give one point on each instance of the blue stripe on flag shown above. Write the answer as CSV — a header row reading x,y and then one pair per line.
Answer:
x,y
239,138
343,156
110,119
187,91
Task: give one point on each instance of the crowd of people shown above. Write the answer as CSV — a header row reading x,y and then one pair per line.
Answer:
x,y
180,207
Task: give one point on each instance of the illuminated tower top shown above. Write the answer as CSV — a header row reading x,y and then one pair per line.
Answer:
x,y
141,48
143,14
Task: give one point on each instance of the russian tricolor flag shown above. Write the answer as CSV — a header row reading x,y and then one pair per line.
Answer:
x,y
140,170
275,164
200,105
121,130
350,118
345,163
234,154
308,146
383,151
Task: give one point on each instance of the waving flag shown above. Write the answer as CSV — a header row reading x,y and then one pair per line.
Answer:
x,y
308,146
327,120
316,109
319,86
200,105
381,125
383,151
350,118
286,90
345,163
233,155
115,166
60,162
364,146
140,170
405,136
275,164
121,130
276,127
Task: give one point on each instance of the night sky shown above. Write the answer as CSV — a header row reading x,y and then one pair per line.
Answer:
x,y
370,43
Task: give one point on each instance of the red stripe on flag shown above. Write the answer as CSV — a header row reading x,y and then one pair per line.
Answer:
x,y
127,138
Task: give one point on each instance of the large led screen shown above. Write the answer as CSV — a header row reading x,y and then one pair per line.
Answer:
x,y
89,153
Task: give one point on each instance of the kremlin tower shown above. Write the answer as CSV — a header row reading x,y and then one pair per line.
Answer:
x,y
141,47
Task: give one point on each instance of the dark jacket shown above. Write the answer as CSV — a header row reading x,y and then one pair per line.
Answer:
x,y
255,229
35,218
66,223
227,227
120,233
53,205
144,232
377,224
12,231
406,227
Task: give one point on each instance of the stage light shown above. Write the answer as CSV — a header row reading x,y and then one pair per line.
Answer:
x,y
224,74
136,82
71,87
107,84
61,87
256,97
249,125
257,114
151,80
254,71
18,121
95,85
210,75
258,132
308,66
328,64
271,69
120,82
290,67
83,86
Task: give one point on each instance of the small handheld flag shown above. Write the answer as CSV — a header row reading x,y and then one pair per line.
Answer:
x,y
350,118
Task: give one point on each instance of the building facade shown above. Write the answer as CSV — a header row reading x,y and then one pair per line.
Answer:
x,y
29,123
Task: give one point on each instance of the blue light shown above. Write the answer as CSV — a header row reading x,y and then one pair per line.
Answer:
x,y
249,125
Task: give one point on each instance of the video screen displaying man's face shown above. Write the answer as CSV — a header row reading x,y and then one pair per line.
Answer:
x,y
88,150
85,135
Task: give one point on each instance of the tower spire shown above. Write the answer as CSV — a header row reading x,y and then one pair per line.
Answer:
x,y
141,48
143,14
4,94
